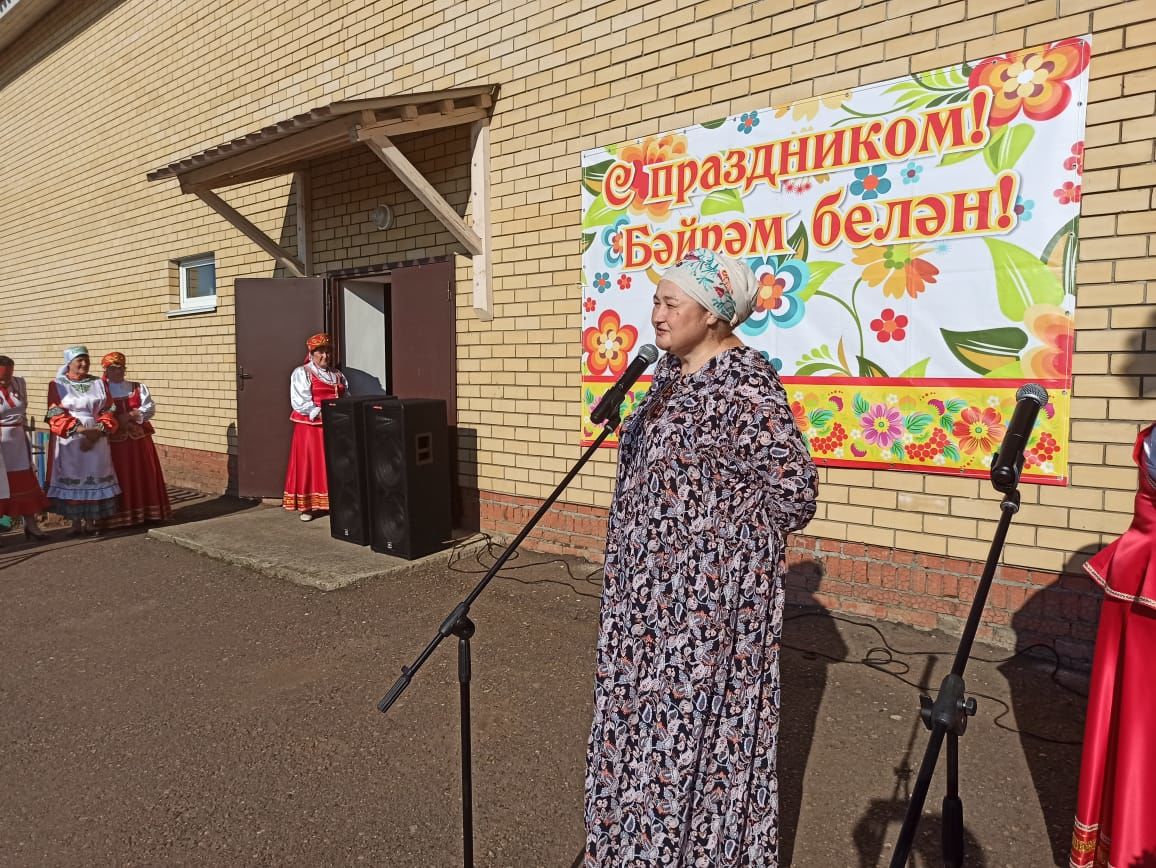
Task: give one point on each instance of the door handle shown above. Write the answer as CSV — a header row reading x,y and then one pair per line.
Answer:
x,y
241,378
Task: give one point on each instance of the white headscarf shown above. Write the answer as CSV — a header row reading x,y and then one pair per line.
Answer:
x,y
69,354
724,286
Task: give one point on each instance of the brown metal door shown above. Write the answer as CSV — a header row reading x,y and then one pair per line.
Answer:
x,y
422,356
274,318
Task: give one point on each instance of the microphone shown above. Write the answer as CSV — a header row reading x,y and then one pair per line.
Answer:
x,y
612,401
1009,461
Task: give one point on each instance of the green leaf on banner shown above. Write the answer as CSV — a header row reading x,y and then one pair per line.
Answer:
x,y
713,125
798,242
592,176
819,272
897,450
587,240
589,398
820,418
722,201
868,368
812,368
1021,280
955,405
917,423
947,422
919,369
985,350
1060,254
1006,146
860,406
599,214
950,452
958,157
1013,370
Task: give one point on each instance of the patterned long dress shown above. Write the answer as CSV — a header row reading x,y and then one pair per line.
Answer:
x,y
712,476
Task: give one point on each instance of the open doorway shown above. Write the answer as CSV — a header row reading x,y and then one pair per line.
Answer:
x,y
365,344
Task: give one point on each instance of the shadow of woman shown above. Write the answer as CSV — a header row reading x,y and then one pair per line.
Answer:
x,y
811,643
1048,703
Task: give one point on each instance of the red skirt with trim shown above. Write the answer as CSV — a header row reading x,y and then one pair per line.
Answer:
x,y
143,495
306,483
1115,814
25,497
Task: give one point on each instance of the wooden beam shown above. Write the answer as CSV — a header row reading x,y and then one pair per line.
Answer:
x,y
431,121
281,150
406,173
480,205
304,220
242,225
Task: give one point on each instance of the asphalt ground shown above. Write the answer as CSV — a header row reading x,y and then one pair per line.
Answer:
x,y
159,706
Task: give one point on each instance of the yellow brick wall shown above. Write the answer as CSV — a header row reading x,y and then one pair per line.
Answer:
x,y
92,100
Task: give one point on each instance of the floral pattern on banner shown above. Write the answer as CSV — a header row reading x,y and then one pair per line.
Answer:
x,y
892,424
935,256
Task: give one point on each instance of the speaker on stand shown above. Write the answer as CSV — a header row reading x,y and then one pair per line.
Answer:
x,y
407,453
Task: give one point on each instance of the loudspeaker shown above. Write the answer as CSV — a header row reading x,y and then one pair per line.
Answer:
x,y
343,426
407,452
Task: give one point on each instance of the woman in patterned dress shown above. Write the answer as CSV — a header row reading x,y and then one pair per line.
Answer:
x,y
143,495
712,476
306,482
82,483
24,498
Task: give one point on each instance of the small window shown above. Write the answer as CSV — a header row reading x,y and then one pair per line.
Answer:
x,y
198,282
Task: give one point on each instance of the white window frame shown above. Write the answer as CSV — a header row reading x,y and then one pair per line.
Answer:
x,y
208,302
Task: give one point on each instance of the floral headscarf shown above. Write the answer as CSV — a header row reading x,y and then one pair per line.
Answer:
x,y
724,286
113,360
317,341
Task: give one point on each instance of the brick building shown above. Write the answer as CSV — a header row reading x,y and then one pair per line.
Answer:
x,y
134,134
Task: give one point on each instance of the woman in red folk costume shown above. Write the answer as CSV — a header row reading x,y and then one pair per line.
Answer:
x,y
1115,820
82,483
24,498
306,484
143,496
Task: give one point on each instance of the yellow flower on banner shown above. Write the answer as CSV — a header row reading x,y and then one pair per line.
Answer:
x,y
652,149
898,267
808,109
1053,327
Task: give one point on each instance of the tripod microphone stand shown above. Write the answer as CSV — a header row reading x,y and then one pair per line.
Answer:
x,y
458,623
947,715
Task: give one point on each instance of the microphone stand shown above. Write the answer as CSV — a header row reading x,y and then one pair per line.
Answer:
x,y
947,716
458,623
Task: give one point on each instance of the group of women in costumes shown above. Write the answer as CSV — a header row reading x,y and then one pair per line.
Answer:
x,y
103,470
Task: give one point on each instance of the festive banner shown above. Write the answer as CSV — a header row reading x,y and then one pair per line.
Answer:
x,y
915,247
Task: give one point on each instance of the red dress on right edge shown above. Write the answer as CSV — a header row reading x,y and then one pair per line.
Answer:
x,y
1116,811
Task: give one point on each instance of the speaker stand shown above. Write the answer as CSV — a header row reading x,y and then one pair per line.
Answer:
x,y
458,623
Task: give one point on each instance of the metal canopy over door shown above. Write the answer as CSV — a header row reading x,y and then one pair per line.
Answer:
x,y
274,317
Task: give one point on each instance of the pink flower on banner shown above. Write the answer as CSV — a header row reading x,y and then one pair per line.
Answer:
x,y
590,304
624,281
882,425
1075,163
1068,194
